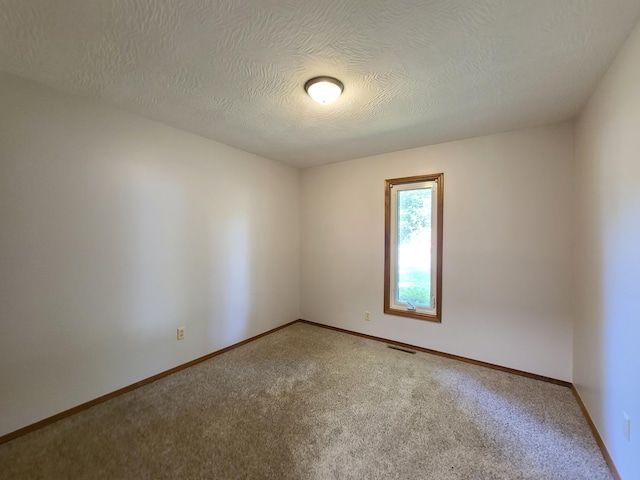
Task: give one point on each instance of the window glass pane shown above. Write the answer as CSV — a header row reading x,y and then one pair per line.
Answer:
x,y
413,247
413,277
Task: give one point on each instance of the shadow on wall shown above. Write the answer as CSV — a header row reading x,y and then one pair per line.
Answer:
x,y
619,340
189,258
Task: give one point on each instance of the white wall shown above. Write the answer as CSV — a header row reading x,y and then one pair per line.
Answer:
x,y
607,329
507,248
114,231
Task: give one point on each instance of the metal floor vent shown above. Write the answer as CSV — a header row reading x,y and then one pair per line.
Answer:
x,y
405,350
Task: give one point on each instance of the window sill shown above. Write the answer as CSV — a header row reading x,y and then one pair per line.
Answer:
x,y
416,315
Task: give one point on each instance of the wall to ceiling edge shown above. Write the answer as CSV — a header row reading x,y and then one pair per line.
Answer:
x,y
117,230
507,281
607,319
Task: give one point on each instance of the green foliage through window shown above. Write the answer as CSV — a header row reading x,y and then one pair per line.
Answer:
x,y
414,243
414,212
413,246
418,296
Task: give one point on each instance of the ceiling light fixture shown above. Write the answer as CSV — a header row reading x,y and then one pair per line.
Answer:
x,y
324,90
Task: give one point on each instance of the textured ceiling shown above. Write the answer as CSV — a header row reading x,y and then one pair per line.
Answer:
x,y
416,72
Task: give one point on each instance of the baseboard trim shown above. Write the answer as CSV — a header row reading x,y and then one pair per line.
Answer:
x,y
59,416
446,355
66,413
585,412
596,434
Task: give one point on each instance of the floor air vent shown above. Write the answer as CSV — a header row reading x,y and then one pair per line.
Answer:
x,y
405,350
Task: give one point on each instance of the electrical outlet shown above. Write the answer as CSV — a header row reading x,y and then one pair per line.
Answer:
x,y
367,316
181,333
627,426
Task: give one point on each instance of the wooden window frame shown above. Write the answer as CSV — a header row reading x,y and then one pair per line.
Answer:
x,y
439,178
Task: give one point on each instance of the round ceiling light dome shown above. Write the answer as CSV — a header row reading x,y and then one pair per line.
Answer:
x,y
324,90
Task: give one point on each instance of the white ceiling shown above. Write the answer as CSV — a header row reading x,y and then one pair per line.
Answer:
x,y
416,72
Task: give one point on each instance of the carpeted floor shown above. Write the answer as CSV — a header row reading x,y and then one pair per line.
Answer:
x,y
310,403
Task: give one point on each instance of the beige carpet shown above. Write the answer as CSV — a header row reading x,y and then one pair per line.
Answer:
x,y
310,403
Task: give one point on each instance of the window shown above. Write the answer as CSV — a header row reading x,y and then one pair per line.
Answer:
x,y
413,247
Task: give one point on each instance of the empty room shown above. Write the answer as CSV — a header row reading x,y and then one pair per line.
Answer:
x,y
333,239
